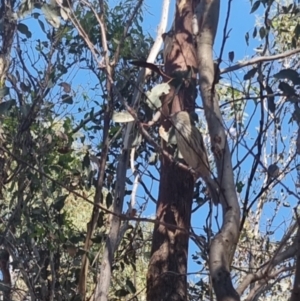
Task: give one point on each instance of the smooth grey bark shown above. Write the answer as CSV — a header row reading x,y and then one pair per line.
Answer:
x,y
224,243
113,239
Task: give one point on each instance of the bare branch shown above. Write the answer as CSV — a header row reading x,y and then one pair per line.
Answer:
x,y
279,257
260,60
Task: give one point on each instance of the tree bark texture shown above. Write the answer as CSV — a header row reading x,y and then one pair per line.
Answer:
x,y
166,279
296,289
224,243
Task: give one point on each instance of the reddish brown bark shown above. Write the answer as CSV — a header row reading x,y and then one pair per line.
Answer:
x,y
296,289
166,279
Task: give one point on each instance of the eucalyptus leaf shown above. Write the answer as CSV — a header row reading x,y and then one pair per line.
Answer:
x,y
247,38
68,99
22,28
137,139
255,6
4,91
66,87
172,136
289,74
97,239
64,13
271,99
121,293
51,15
122,117
130,286
7,105
153,96
86,161
153,159
262,32
231,56
25,109
250,74
25,8
42,25
163,134
60,202
109,200
286,89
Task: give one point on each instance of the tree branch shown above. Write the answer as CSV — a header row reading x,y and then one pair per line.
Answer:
x,y
224,243
261,59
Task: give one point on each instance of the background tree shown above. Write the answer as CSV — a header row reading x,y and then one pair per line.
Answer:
x,y
85,129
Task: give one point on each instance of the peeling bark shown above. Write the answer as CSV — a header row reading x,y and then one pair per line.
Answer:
x,y
166,279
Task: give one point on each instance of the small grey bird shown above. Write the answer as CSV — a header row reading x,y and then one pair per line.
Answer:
x,y
191,146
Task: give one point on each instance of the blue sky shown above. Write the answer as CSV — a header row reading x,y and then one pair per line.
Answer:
x,y
240,22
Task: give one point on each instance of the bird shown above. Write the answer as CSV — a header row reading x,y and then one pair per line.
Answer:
x,y
191,146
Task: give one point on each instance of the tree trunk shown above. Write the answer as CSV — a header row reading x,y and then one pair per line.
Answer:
x,y
166,279
296,289
224,243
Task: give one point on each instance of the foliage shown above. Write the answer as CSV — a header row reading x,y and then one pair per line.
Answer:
x,y
55,112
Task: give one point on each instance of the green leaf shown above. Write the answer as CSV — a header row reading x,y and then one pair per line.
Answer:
x,y
75,239
231,56
22,28
86,161
66,87
247,38
122,117
100,220
42,25
297,31
153,96
4,91
250,74
255,6
172,136
286,89
60,202
67,99
51,15
121,293
262,32
109,200
271,100
35,15
153,159
137,139
254,32
6,106
97,239
239,187
289,74
130,286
